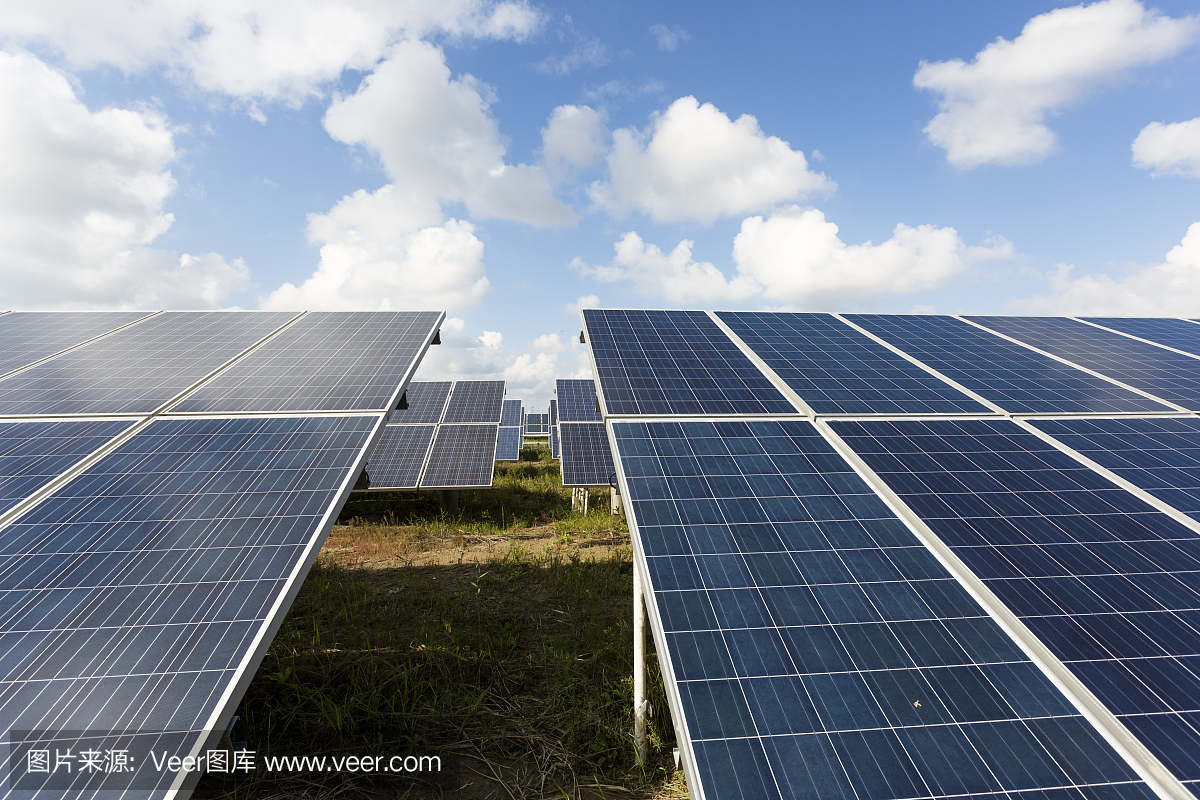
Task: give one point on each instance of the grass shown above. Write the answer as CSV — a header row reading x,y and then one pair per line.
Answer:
x,y
498,638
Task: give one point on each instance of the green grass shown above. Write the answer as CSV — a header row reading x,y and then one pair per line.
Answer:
x,y
519,667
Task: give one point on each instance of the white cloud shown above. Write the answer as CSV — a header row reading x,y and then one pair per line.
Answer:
x,y
587,53
795,257
587,301
1172,149
694,164
669,38
992,110
81,198
575,138
270,50
386,250
548,343
435,137
492,339
619,90
1171,288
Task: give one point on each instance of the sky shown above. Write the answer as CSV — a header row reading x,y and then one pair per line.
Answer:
x,y
511,162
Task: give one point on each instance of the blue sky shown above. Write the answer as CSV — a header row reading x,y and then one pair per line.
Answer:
x,y
510,161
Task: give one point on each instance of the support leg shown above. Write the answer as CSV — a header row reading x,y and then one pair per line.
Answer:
x,y
639,668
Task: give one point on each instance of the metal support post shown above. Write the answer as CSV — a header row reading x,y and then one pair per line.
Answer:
x,y
640,705
449,499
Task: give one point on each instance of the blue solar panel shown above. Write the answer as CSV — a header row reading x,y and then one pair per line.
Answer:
x,y
325,361
139,595
138,369
586,457
537,424
463,456
426,402
397,459
29,336
817,649
838,370
675,362
511,418
1162,373
1160,455
476,401
1013,377
34,453
508,444
1177,333
575,402
1108,583
554,443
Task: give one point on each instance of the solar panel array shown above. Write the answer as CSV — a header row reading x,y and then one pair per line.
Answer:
x,y
511,435
964,560
579,437
147,558
537,425
441,439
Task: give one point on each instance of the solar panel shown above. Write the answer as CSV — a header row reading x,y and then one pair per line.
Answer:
x,y
537,424
30,336
141,595
838,370
586,456
325,361
1162,373
1160,455
814,648
511,417
138,369
508,444
674,362
554,443
475,401
1177,333
397,459
463,456
34,453
1109,584
1013,377
576,402
426,402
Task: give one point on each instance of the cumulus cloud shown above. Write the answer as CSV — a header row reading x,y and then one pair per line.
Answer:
x,y
1172,149
993,109
575,138
695,164
1171,288
796,257
587,301
669,38
285,50
435,136
81,198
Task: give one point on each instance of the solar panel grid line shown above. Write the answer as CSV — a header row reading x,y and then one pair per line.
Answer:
x,y
58,353
1119,332
1068,362
1124,483
778,382
673,680
931,370
1160,779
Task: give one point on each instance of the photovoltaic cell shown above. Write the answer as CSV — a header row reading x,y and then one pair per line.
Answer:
x,y
463,456
137,595
325,361
511,418
675,362
1152,369
29,336
838,370
1108,583
508,444
138,369
1177,333
34,453
476,401
426,402
1013,377
397,459
554,443
818,649
1160,454
576,402
586,457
